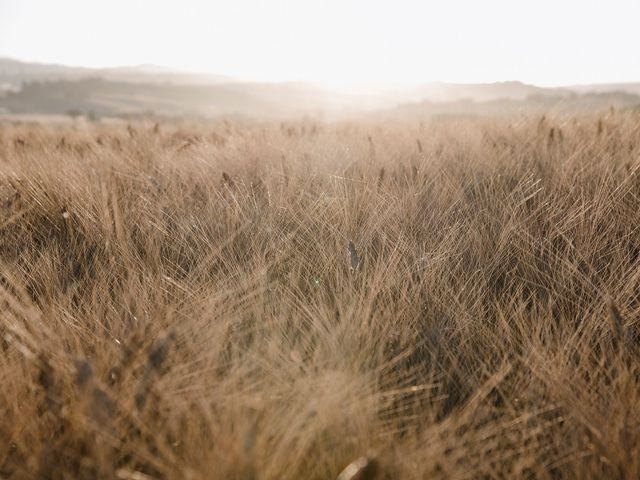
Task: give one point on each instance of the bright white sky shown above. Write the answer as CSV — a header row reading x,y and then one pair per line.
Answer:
x,y
546,42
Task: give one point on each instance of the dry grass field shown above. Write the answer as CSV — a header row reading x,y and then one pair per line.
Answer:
x,y
447,299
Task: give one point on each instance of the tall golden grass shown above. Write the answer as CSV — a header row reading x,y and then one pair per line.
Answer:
x,y
450,299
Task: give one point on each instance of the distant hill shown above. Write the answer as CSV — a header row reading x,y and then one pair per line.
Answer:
x,y
14,73
571,103
479,92
99,97
633,88
33,88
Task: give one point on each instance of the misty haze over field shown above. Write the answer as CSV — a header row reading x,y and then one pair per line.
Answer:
x,y
32,88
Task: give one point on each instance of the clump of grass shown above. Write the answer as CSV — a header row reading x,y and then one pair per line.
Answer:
x,y
354,258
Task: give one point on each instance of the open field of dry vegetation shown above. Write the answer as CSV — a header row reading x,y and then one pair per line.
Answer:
x,y
445,299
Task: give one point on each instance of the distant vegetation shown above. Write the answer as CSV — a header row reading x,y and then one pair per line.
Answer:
x,y
450,298
110,98
150,91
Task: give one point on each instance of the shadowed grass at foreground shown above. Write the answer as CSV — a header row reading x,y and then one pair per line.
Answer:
x,y
453,299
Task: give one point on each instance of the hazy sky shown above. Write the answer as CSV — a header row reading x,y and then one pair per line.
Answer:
x,y
547,42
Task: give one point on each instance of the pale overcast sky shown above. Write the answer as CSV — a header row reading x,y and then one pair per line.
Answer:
x,y
546,42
